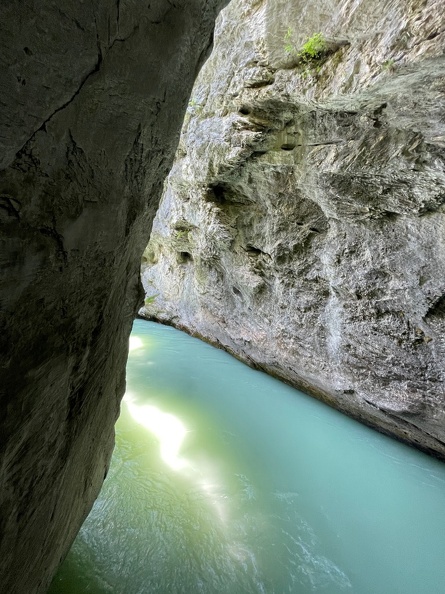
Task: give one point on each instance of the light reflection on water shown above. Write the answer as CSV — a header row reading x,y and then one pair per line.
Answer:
x,y
225,481
169,430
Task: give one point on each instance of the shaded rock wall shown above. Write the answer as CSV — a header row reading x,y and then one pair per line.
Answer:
x,y
92,98
302,226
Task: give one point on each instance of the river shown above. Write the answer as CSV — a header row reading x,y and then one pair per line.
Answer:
x,y
227,481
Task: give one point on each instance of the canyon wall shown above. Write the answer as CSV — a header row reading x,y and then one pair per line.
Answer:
x,y
302,227
92,99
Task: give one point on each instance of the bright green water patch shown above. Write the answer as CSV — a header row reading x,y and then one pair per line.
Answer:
x,y
227,481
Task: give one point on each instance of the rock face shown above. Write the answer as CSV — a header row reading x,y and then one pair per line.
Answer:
x,y
92,98
303,224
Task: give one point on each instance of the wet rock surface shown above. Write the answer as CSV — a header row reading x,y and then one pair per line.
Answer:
x,y
302,225
92,99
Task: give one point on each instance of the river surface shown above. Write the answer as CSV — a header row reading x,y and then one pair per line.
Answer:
x,y
226,481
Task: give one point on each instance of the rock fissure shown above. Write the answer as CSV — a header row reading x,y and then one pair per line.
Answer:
x,y
132,32
118,14
42,127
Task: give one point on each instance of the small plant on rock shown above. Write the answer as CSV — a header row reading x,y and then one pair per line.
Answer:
x,y
149,300
310,55
388,66
313,49
194,107
289,46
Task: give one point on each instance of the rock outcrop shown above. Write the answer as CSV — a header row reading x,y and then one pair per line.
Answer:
x,y
303,224
92,99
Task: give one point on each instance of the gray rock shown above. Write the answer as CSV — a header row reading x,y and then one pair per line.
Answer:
x,y
92,98
302,225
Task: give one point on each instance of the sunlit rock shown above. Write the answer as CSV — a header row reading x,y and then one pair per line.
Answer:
x,y
302,226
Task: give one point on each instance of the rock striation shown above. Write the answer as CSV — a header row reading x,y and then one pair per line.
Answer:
x,y
302,227
92,98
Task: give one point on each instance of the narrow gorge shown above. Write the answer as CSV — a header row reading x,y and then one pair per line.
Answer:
x,y
302,225
296,222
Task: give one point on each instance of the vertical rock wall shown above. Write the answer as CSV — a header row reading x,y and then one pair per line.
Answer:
x,y
302,226
92,97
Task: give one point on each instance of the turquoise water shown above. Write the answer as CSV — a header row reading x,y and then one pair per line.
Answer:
x,y
225,480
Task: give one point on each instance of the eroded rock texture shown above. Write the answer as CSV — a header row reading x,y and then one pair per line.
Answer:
x,y
92,98
302,226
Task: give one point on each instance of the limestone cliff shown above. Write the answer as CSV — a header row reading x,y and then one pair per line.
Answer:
x,y
92,98
302,226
